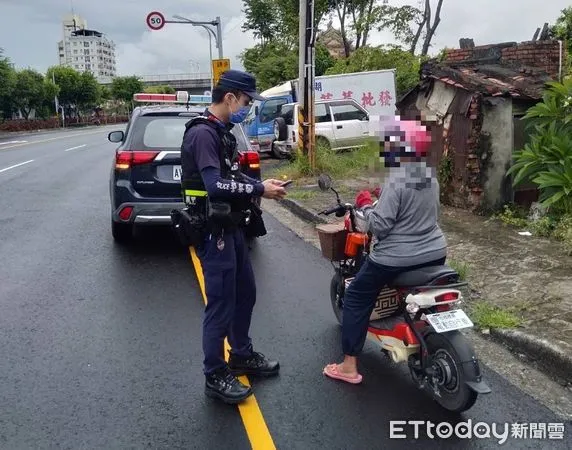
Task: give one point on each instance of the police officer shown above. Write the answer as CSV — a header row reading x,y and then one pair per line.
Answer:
x,y
213,183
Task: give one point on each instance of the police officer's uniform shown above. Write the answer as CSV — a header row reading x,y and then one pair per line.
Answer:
x,y
222,248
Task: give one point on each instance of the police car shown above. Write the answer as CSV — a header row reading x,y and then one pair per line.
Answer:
x,y
145,179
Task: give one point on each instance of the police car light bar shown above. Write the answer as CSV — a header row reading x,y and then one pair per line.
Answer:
x,y
180,97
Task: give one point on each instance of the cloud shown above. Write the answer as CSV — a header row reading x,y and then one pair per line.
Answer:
x,y
31,29
179,48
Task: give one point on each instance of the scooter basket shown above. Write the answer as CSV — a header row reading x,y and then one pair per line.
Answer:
x,y
332,240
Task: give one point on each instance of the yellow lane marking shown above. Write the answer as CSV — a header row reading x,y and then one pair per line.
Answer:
x,y
52,139
252,417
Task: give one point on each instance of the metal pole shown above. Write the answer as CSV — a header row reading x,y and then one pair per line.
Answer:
x,y
211,60
219,37
302,97
311,37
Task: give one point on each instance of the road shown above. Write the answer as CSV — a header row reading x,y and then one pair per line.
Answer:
x,y
101,345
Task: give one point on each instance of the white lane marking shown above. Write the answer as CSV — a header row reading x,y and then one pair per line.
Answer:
x,y
12,142
16,165
55,138
74,148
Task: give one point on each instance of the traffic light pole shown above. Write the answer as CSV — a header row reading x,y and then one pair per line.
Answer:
x,y
306,75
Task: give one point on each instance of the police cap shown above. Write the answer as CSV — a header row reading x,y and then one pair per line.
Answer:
x,y
243,81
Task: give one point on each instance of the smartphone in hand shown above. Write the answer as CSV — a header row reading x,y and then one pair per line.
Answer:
x,y
287,183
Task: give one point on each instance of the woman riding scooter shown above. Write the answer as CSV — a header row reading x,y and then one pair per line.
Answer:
x,y
405,234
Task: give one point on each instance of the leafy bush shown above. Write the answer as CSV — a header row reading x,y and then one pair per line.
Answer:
x,y
547,159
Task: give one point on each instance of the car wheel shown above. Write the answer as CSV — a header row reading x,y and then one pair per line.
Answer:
x,y
122,232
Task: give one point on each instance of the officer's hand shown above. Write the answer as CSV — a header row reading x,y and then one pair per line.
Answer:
x,y
275,182
273,190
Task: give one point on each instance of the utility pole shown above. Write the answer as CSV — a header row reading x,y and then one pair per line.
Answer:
x,y
306,75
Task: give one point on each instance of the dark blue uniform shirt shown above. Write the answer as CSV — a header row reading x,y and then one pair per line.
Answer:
x,y
201,152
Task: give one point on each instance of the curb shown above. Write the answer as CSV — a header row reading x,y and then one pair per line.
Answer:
x,y
301,211
553,360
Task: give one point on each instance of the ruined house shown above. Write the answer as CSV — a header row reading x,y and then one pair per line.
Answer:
x,y
479,95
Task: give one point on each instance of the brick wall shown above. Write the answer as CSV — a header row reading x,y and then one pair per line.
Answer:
x,y
540,54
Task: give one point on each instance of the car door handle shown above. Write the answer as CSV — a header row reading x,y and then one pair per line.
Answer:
x,y
339,127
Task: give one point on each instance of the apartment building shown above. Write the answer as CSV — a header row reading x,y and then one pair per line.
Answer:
x,y
86,50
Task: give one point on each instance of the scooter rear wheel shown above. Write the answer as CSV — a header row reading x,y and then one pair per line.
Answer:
x,y
456,395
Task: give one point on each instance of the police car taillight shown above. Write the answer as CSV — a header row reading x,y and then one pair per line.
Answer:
x,y
127,159
252,159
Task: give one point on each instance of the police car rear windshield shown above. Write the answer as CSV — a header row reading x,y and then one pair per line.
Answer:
x,y
166,133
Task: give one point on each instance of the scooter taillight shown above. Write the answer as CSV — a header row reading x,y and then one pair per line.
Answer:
x,y
446,297
354,242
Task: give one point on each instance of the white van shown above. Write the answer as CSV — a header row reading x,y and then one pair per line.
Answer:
x,y
339,125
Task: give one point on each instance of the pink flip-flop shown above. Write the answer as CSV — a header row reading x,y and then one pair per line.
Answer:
x,y
331,370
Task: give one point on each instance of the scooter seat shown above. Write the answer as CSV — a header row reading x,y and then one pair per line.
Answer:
x,y
423,276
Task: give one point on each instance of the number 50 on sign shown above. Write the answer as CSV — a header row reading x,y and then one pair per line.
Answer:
x,y
219,67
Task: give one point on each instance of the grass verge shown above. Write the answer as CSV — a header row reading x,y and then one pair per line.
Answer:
x,y
486,315
554,226
462,268
337,164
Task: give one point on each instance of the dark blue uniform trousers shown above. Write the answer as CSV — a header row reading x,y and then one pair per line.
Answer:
x,y
359,300
231,294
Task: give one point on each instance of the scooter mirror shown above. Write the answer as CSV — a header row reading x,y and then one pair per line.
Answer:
x,y
325,182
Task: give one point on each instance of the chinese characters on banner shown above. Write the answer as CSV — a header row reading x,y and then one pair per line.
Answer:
x,y
367,98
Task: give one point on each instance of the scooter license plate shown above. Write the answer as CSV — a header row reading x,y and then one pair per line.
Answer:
x,y
449,320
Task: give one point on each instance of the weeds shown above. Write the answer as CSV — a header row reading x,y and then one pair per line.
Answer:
x,y
338,164
461,268
486,315
554,226
301,194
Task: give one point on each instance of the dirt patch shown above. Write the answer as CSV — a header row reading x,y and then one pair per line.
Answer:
x,y
528,276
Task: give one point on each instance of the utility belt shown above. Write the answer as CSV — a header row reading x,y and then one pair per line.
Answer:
x,y
207,217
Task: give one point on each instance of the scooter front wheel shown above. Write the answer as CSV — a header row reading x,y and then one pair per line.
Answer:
x,y
336,296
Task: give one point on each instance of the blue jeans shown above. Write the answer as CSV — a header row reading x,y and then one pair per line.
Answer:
x,y
360,297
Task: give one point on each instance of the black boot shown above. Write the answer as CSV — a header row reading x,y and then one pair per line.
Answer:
x,y
226,387
255,364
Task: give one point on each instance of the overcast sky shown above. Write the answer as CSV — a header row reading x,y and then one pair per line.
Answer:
x,y
31,29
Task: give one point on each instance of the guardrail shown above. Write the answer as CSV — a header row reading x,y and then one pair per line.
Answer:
x,y
175,77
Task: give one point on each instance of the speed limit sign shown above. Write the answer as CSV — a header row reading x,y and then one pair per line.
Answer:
x,y
155,20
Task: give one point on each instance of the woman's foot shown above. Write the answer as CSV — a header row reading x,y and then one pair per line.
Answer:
x,y
343,372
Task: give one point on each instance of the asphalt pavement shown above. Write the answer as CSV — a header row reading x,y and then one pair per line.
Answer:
x,y
101,345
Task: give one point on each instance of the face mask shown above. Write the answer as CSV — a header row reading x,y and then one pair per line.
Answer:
x,y
240,115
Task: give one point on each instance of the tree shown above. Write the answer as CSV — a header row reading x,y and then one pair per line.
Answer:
x,y
29,91
69,83
275,62
562,30
159,90
410,25
547,159
88,92
7,82
379,58
278,20
123,88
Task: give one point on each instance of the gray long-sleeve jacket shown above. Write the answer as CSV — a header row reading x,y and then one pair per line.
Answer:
x,y
403,223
